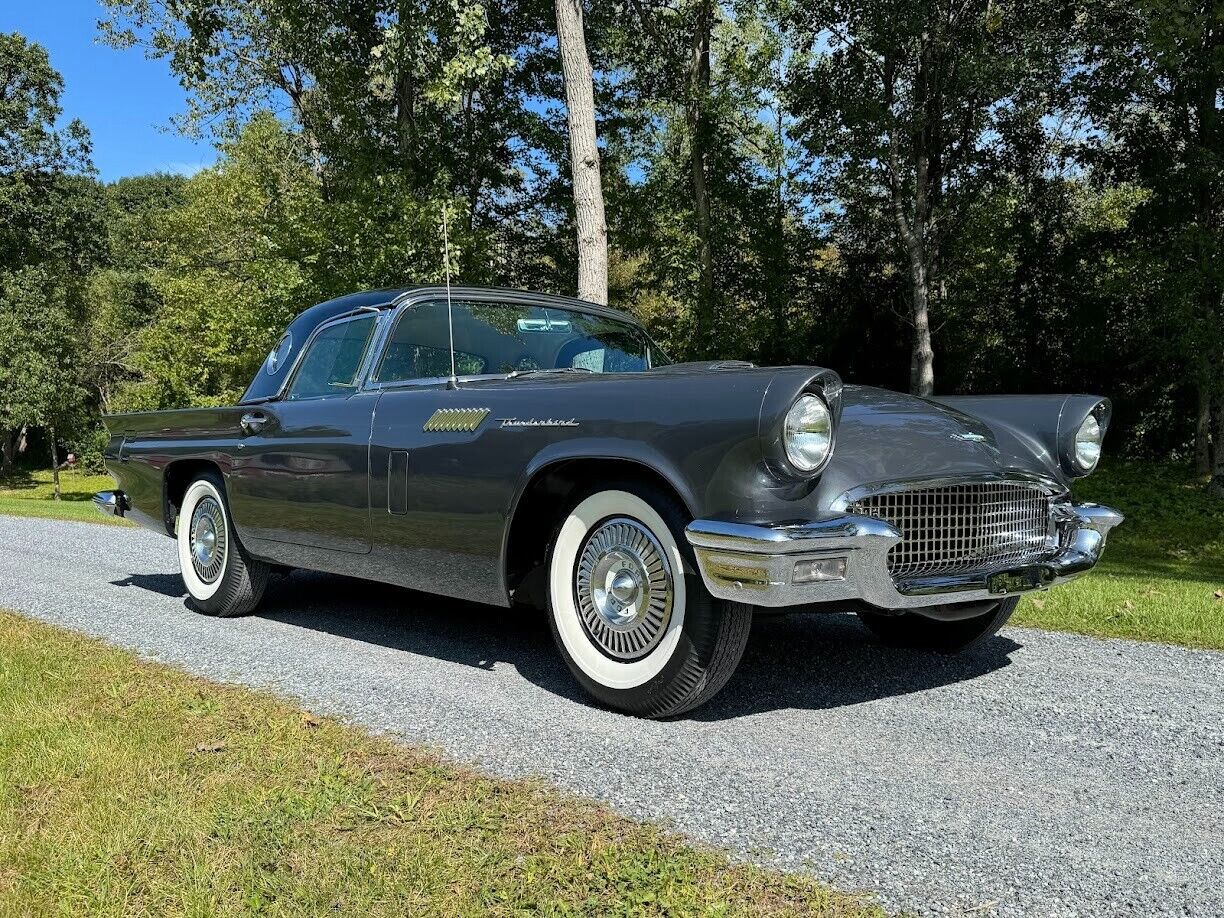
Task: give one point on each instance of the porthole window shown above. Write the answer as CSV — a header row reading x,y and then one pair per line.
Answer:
x,y
276,359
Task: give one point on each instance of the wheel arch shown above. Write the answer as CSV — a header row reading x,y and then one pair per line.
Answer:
x,y
548,490
176,478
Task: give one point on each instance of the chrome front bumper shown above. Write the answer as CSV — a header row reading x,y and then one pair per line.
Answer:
x,y
754,563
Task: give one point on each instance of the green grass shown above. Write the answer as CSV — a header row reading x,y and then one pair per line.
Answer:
x,y
32,494
129,788
1162,575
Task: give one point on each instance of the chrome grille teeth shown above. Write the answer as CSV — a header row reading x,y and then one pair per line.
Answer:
x,y
963,528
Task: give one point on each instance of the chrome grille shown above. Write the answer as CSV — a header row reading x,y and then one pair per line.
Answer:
x,y
963,528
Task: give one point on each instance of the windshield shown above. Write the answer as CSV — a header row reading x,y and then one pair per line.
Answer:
x,y
492,338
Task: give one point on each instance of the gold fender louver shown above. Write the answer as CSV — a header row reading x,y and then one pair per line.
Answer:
x,y
446,420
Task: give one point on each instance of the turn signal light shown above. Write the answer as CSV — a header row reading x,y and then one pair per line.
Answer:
x,y
821,569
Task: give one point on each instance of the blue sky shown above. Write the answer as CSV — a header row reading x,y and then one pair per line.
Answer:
x,y
125,100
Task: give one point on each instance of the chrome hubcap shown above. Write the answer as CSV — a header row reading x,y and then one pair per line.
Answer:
x,y
207,540
623,588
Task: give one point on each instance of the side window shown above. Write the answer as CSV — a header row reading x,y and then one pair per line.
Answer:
x,y
333,359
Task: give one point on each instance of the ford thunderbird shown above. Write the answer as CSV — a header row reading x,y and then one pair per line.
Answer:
x,y
524,450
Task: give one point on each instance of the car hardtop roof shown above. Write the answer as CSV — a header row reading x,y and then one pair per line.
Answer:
x,y
392,296
268,382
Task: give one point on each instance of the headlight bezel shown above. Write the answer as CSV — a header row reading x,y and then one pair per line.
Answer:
x,y
821,414
1077,412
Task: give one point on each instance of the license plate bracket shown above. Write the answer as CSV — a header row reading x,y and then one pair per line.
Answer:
x,y
1020,580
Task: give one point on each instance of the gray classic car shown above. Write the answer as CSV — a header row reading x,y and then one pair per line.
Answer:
x,y
525,450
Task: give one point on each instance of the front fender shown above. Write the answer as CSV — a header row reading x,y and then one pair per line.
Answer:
x,y
617,449
1039,426
707,435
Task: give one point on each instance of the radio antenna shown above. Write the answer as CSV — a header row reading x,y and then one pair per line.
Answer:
x,y
453,383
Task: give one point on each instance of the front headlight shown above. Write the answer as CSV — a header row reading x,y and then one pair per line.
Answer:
x,y
808,434
1088,443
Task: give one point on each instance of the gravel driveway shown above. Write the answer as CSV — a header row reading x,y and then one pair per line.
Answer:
x,y
1044,774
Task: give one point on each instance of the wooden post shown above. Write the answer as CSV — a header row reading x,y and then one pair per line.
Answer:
x,y
54,460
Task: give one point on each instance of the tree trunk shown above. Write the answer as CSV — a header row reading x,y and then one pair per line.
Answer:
x,y
922,355
1217,464
1202,432
405,114
12,445
291,81
778,258
699,93
914,220
54,460
584,153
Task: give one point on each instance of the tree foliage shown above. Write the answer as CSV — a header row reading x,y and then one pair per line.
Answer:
x,y
48,244
911,108
1152,79
976,196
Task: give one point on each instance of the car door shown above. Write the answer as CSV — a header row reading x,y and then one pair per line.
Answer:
x,y
301,470
442,469
447,457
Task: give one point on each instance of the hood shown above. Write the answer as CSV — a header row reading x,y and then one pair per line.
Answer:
x,y
888,436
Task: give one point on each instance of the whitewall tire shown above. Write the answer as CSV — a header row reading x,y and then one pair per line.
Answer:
x,y
630,616
221,579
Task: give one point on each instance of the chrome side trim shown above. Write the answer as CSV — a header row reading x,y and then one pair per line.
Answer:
x,y
753,563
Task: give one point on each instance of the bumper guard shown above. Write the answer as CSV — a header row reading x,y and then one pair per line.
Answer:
x,y
112,503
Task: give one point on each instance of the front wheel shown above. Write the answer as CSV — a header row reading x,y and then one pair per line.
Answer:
x,y
221,578
638,632
912,629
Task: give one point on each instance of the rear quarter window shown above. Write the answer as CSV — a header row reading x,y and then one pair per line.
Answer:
x,y
333,359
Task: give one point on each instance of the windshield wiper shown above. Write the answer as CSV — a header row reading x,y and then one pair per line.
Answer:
x,y
518,373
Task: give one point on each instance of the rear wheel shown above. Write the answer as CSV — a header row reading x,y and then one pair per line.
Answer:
x,y
912,629
638,632
221,578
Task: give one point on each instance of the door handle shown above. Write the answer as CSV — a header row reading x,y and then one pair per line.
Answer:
x,y
252,423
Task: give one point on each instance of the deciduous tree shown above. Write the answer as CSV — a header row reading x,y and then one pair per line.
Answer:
x,y
49,239
905,105
1152,78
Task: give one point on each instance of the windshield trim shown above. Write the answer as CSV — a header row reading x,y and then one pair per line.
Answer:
x,y
657,357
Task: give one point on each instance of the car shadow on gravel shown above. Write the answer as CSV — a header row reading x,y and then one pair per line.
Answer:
x,y
165,584
813,661
798,661
467,633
